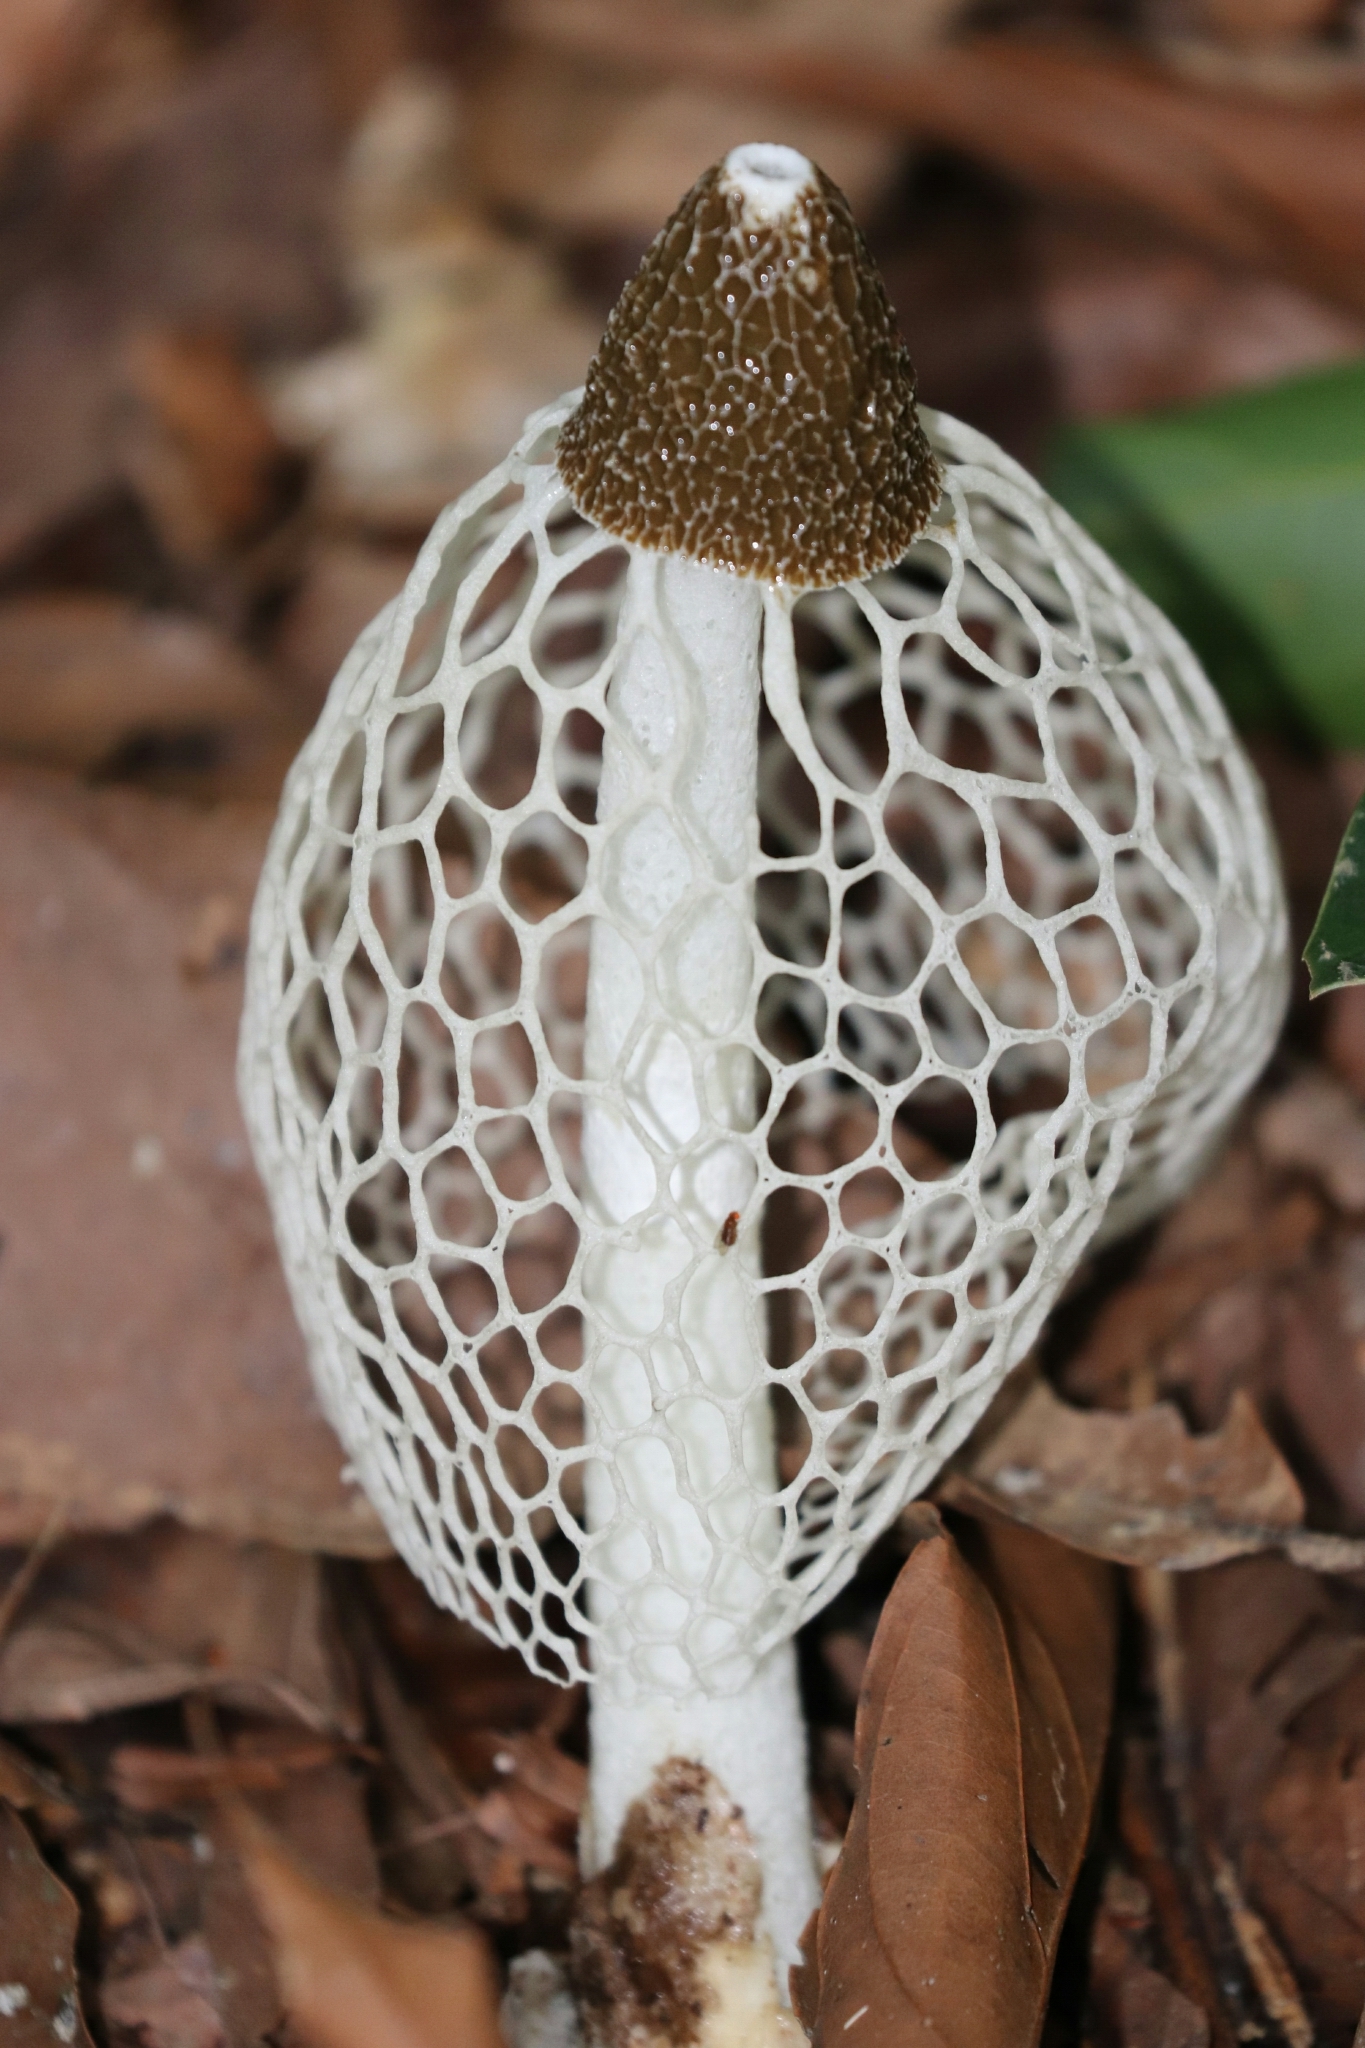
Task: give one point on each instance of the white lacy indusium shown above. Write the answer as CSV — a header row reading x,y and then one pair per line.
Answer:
x,y
681,1104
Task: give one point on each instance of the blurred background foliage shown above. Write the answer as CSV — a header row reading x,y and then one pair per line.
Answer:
x,y
1245,518
279,277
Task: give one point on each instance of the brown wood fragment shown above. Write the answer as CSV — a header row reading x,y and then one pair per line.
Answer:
x,y
149,1780
1272,1975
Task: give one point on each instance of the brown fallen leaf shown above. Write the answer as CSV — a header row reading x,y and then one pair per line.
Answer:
x,y
27,1572
1343,1039
518,1819
1148,1312
594,155
83,675
30,1788
198,445
980,1738
1271,1974
352,1978
1275,1687
534,1761
1135,318
1153,1846
1315,1127
172,1611
1139,1489
211,181
344,584
120,1132
462,1679
319,1820
1148,2011
1295,1341
1314,1377
39,1999
171,2004
1253,1976
232,1927
434,1849
1243,1288
1137,2005
41,42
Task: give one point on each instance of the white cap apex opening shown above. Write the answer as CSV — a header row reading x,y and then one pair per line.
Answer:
x,y
768,177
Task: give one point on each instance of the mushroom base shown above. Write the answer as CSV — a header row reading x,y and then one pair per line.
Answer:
x,y
753,1741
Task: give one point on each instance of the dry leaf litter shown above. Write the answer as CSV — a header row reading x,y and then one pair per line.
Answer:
x,y
1089,1732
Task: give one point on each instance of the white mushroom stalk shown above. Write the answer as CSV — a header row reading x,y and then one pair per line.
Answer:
x,y
671,1176
762,900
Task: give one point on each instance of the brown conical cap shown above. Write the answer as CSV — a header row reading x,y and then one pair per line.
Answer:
x,y
752,405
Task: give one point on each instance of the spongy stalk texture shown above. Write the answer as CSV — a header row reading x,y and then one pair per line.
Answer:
x,y
752,405
668,977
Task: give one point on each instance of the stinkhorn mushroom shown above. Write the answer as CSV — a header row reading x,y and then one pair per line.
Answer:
x,y
764,897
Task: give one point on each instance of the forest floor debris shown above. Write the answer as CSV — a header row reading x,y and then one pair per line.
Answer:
x,y
255,1790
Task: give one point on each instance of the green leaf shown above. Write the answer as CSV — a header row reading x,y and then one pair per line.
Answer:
x,y
1242,517
1335,954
